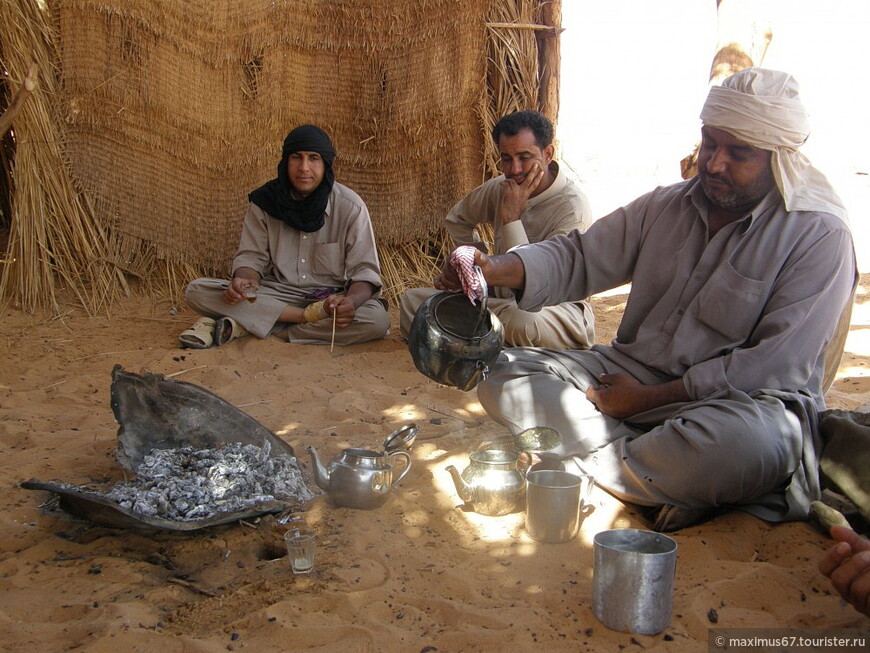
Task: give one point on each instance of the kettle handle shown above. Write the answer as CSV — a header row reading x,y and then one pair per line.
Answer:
x,y
482,312
484,289
407,468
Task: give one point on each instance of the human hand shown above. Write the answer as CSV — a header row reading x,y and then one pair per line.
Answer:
x,y
239,288
616,395
341,308
449,277
515,196
847,564
621,396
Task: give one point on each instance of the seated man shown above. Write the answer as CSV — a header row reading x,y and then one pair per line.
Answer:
x,y
847,564
307,258
532,201
741,276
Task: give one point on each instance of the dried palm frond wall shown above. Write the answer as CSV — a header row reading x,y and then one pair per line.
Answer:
x,y
54,237
153,119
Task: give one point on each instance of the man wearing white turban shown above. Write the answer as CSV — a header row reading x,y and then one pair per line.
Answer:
x,y
741,285
762,108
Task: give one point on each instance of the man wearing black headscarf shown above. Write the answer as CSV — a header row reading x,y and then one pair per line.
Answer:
x,y
307,260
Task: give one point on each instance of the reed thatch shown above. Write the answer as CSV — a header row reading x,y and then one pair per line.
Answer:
x,y
153,119
53,236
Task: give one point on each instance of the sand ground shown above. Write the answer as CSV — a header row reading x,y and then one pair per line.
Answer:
x,y
420,573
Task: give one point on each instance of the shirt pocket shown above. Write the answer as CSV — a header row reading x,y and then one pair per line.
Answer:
x,y
731,304
327,260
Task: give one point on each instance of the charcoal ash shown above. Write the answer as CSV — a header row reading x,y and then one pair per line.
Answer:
x,y
187,484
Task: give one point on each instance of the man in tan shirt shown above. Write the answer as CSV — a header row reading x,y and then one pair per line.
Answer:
x,y
307,261
532,201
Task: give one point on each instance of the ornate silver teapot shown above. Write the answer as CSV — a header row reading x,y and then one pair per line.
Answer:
x,y
492,483
361,478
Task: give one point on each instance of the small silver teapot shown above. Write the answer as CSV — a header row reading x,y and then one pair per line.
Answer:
x,y
492,483
361,478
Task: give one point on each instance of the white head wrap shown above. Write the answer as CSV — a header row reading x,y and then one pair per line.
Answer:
x,y
762,107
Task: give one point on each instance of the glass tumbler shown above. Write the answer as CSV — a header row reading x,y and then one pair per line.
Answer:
x,y
300,550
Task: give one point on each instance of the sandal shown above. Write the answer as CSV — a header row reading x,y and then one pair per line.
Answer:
x,y
199,336
226,329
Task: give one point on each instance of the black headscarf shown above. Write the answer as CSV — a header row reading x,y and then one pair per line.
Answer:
x,y
275,197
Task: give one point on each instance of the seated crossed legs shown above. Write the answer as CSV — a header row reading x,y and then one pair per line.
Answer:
x,y
262,318
733,451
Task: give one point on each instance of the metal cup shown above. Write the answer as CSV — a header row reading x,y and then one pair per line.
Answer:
x,y
633,580
553,501
300,550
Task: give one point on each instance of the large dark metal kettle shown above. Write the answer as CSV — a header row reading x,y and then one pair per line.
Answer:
x,y
453,341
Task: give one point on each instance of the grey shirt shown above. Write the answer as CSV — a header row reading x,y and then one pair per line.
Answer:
x,y
340,252
752,308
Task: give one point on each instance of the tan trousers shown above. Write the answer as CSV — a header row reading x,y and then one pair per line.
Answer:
x,y
205,296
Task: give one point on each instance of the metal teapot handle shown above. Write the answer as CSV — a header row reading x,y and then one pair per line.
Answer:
x,y
407,468
484,292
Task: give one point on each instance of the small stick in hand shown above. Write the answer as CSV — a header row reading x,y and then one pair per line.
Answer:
x,y
332,344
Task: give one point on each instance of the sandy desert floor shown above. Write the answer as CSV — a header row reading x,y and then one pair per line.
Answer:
x,y
420,573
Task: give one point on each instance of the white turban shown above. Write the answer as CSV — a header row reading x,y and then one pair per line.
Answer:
x,y
762,107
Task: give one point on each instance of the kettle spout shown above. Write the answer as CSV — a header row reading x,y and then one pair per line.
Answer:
x,y
462,488
321,474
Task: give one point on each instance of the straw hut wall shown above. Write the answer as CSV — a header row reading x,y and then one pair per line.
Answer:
x,y
152,120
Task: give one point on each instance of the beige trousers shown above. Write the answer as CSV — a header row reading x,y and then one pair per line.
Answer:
x,y
205,296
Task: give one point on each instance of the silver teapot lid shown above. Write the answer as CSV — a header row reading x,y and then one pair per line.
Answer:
x,y
401,438
536,440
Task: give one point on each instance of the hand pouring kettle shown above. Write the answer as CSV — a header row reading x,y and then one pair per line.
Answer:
x,y
360,478
454,342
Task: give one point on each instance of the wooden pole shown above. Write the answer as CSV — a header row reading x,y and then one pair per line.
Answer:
x,y
549,58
